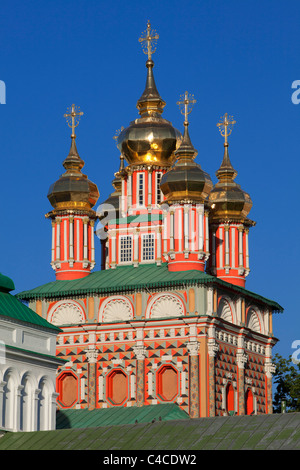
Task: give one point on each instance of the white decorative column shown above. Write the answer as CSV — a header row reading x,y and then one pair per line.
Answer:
x,y
53,242
226,236
241,255
85,239
71,241
92,223
150,188
171,218
186,228
58,222
200,228
129,191
136,247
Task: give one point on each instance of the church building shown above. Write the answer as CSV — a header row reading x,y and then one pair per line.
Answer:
x,y
167,317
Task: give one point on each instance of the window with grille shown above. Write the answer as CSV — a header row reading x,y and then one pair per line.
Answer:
x,y
140,189
148,247
125,248
158,191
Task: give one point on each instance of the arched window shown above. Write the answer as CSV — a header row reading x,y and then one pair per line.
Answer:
x,y
249,405
230,399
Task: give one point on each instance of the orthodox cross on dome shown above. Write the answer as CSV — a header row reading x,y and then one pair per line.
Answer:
x,y
148,41
73,116
225,126
186,104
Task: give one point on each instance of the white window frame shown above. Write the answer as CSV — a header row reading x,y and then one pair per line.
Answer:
x,y
157,188
138,204
122,237
151,235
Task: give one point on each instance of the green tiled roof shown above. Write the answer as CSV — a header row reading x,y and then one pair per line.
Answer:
x,y
11,307
262,432
6,283
136,219
116,415
129,278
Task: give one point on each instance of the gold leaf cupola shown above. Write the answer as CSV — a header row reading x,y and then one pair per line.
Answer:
x,y
186,181
73,219
229,206
150,139
73,190
227,199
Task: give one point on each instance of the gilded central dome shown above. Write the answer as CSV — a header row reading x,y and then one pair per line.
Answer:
x,y
150,139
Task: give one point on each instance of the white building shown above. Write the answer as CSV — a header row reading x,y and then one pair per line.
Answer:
x,y
27,365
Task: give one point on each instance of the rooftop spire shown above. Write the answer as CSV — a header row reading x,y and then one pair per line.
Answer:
x,y
186,149
73,161
150,102
226,170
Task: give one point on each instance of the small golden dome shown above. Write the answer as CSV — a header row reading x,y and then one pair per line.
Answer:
x,y
186,181
227,199
73,190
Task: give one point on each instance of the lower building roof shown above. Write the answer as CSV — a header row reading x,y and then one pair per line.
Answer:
x,y
117,415
130,278
257,432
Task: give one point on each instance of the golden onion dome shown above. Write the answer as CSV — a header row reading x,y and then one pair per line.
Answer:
x,y
73,190
149,139
227,200
186,181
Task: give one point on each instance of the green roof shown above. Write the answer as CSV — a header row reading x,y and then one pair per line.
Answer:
x,y
136,219
261,432
129,278
117,415
6,283
11,307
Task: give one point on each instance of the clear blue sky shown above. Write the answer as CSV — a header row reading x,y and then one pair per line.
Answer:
x,y
235,56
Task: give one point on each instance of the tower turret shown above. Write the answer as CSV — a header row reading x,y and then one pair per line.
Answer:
x,y
72,197
186,187
229,225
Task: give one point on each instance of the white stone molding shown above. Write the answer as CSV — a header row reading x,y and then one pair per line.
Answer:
x,y
213,347
226,310
92,355
66,312
140,352
116,308
193,348
165,305
254,320
241,359
270,368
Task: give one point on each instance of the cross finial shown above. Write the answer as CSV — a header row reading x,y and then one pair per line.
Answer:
x,y
225,126
186,105
73,117
148,41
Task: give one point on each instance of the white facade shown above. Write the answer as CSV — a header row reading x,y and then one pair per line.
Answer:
x,y
27,376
